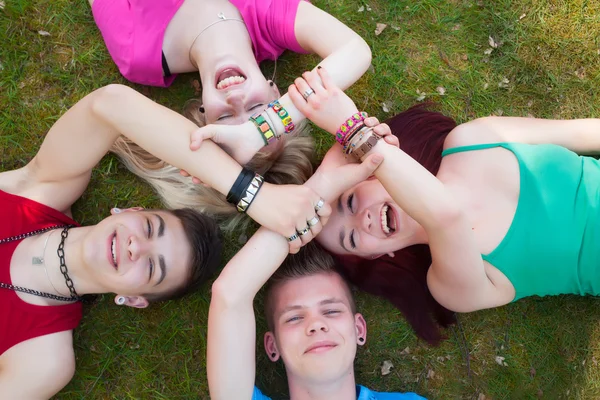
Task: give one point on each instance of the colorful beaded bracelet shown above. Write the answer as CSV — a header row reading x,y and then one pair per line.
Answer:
x,y
283,115
265,130
347,126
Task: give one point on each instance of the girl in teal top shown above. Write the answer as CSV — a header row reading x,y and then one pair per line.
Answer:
x,y
513,210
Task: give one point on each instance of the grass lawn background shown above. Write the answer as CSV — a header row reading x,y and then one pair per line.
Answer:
x,y
475,58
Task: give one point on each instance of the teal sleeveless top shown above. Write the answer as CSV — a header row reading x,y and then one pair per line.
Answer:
x,y
553,244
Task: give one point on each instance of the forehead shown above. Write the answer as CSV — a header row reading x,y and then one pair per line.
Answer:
x,y
309,291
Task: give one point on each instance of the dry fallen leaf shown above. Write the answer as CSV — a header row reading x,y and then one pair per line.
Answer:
x,y
481,397
500,360
43,33
499,112
441,90
430,374
396,28
1,5
522,16
488,51
503,83
368,8
420,95
441,359
456,27
361,8
385,107
380,28
540,393
386,368
464,57
580,73
405,351
371,69
594,360
492,42
532,372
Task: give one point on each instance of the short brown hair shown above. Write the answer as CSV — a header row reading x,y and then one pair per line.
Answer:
x,y
204,237
311,260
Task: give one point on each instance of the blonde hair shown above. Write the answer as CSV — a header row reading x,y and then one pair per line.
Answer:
x,y
291,163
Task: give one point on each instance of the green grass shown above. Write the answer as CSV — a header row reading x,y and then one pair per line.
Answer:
x,y
551,59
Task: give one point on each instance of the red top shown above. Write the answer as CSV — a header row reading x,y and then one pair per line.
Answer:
x,y
21,321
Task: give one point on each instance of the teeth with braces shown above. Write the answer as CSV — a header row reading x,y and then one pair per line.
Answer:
x,y
232,80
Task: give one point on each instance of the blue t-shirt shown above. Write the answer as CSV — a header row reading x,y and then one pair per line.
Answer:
x,y
362,394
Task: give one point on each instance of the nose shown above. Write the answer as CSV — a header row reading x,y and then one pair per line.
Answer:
x,y
317,324
136,247
366,220
235,98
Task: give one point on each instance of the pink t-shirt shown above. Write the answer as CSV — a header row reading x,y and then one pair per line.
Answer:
x,y
133,31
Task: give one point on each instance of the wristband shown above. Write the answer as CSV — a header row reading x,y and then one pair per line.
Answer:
x,y
239,186
265,130
250,193
347,126
366,147
283,116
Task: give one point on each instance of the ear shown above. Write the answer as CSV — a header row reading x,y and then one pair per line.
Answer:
x,y
116,210
271,346
361,329
133,301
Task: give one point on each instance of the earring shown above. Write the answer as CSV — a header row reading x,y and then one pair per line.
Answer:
x,y
271,83
273,355
201,109
120,300
361,339
116,210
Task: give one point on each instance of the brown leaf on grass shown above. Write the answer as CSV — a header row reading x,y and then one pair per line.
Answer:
x,y
481,397
371,69
503,83
456,27
1,5
441,359
380,28
488,51
430,374
421,95
540,393
464,57
594,360
492,42
386,367
441,90
405,351
580,73
43,33
522,16
532,372
500,361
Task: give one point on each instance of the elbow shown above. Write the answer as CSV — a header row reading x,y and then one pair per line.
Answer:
x,y
364,53
225,295
106,98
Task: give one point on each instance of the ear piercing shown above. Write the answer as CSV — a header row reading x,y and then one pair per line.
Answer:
x,y
116,210
271,83
361,339
273,355
121,300
201,109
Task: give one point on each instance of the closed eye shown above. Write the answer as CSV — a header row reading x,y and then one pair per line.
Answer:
x,y
332,312
151,269
255,107
349,202
352,241
222,117
149,225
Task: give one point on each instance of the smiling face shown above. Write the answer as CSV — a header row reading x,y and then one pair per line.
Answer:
x,y
136,253
231,95
366,222
315,329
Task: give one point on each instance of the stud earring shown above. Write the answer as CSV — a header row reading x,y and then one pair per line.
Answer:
x,y
120,300
273,355
116,210
271,83
361,339
201,109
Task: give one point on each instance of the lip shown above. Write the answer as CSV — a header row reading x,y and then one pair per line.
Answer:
x,y
109,250
394,214
320,347
225,68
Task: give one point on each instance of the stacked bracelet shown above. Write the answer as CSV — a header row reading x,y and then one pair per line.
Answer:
x,y
283,115
359,151
348,126
244,189
264,128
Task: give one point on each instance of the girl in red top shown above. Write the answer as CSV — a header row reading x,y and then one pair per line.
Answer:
x,y
47,261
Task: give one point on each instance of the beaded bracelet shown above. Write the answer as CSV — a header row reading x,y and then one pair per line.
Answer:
x,y
283,115
265,130
341,133
250,194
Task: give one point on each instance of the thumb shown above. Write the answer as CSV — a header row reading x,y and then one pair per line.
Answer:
x,y
201,134
352,174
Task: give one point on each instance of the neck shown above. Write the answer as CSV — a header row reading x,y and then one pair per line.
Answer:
x,y
54,282
343,388
227,40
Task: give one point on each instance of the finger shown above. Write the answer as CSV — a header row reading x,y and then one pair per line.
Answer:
x,y
393,140
371,122
183,172
382,129
325,78
314,81
297,99
295,244
302,85
350,175
305,234
315,227
199,135
324,213
197,181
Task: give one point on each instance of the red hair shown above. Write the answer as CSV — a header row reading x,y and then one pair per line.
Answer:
x,y
402,279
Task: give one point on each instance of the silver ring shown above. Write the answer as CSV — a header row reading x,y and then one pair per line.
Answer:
x,y
307,93
293,237
304,231
320,204
313,221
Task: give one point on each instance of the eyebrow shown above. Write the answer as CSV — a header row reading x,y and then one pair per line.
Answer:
x,y
161,259
332,300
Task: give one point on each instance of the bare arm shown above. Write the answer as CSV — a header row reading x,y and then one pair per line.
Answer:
x,y
38,368
579,135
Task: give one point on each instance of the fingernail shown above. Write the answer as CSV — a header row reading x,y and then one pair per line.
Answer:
x,y
116,210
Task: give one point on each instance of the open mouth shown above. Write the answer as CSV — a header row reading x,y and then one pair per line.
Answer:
x,y
113,250
388,220
229,77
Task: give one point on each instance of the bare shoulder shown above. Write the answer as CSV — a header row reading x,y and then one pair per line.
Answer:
x,y
39,367
478,131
